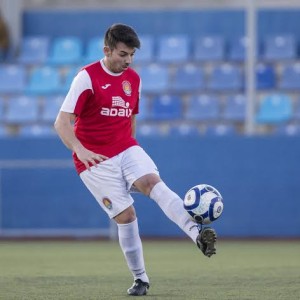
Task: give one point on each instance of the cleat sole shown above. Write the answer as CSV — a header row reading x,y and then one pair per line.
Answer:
x,y
209,238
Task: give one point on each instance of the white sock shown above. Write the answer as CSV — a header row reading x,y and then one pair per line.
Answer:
x,y
172,206
132,248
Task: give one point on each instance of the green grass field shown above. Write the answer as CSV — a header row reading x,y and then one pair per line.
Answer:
x,y
97,270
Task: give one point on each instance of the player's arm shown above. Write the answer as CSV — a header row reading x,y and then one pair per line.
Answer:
x,y
133,125
64,128
135,111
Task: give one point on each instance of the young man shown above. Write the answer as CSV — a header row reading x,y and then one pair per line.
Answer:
x,y
102,102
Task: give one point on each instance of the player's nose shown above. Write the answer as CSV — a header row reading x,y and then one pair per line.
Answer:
x,y
128,60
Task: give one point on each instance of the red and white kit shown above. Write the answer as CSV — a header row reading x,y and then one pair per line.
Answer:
x,y
103,103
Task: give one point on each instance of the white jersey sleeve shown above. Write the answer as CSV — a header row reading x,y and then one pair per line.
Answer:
x,y
81,82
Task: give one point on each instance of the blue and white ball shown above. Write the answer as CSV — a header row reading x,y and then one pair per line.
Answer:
x,y
204,203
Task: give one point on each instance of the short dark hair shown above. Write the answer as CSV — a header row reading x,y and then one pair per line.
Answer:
x,y
121,33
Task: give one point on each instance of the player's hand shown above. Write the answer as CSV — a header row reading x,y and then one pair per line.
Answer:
x,y
89,158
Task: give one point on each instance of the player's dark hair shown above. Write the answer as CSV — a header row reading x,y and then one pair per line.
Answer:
x,y
121,33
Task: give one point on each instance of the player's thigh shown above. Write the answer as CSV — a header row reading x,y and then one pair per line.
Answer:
x,y
107,185
136,163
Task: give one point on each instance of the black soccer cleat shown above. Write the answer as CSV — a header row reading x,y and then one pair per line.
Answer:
x,y
206,241
139,288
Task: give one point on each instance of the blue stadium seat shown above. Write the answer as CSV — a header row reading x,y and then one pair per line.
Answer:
x,y
1,108
265,77
203,108
235,108
22,109
209,48
149,130
66,51
3,131
280,47
221,130
173,48
288,130
12,79
187,78
166,107
275,108
146,53
51,108
94,50
290,77
44,80
296,112
33,50
143,109
183,130
238,49
37,130
226,77
155,78
67,79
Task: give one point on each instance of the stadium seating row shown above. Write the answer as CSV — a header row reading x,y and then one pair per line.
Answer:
x,y
148,130
24,109
274,108
220,129
187,78
164,49
42,80
171,67
144,130
221,77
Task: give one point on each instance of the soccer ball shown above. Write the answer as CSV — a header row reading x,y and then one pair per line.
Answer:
x,y
204,203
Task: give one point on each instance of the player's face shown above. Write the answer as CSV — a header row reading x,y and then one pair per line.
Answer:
x,y
118,60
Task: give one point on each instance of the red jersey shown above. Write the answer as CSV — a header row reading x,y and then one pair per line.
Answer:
x,y
103,103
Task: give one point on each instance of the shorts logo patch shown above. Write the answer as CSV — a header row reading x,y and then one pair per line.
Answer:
x,y
107,203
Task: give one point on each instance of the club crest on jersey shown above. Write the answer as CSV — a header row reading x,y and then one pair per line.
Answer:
x,y
119,108
107,203
126,87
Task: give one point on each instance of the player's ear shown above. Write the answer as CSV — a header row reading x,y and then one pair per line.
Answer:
x,y
107,51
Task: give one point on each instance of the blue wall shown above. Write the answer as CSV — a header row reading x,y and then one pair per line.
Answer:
x,y
228,23
258,177
89,23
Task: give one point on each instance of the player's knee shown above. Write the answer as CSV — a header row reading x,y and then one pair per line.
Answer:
x,y
146,183
126,216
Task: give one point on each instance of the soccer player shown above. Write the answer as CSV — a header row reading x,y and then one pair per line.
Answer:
x,y
97,122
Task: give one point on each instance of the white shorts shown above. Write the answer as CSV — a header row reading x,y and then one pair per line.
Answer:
x,y
111,181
